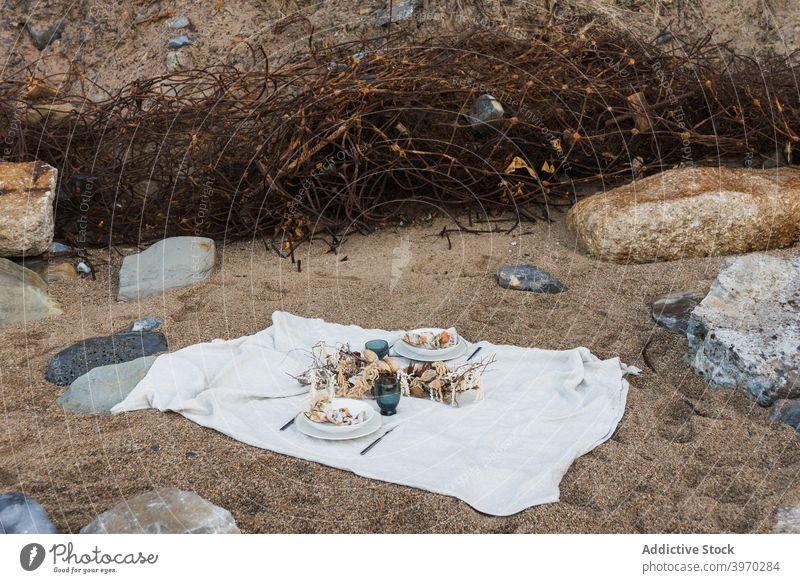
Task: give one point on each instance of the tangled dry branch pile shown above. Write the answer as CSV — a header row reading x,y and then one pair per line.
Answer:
x,y
370,130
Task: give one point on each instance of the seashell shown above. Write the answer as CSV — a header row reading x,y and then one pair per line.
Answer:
x,y
394,365
360,387
436,385
383,367
416,391
370,373
428,375
370,356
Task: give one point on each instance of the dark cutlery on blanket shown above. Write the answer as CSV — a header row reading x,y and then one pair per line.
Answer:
x,y
288,423
477,350
374,443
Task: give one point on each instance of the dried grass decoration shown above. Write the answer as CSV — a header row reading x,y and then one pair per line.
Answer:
x,y
342,372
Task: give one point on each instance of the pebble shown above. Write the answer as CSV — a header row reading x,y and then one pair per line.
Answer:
x,y
528,278
486,108
60,249
43,36
175,61
178,42
147,324
180,22
401,10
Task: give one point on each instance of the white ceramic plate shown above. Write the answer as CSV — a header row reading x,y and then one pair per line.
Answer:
x,y
354,431
423,355
440,353
355,406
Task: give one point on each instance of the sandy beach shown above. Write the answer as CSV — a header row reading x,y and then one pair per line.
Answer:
x,y
684,459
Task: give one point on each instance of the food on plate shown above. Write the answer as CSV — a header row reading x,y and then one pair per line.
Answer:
x,y
431,340
323,411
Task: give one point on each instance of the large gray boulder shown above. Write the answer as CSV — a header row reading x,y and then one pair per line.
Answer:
x,y
27,191
104,386
23,295
164,511
171,263
20,514
746,332
690,212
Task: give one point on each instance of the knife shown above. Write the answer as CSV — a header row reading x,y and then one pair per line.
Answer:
x,y
477,350
374,443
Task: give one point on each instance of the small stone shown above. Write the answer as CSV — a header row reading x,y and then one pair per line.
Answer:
x,y
57,272
104,386
20,514
745,332
27,191
83,356
171,263
99,53
164,511
528,278
145,325
84,268
155,447
787,411
179,22
175,61
178,42
401,10
23,295
51,270
191,454
787,521
43,36
672,311
486,108
57,249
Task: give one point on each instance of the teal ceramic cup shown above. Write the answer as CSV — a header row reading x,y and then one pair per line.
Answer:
x,y
379,347
387,394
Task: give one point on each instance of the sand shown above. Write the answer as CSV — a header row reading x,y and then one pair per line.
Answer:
x,y
684,459
119,42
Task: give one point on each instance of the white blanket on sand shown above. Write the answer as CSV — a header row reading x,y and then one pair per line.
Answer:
x,y
542,409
